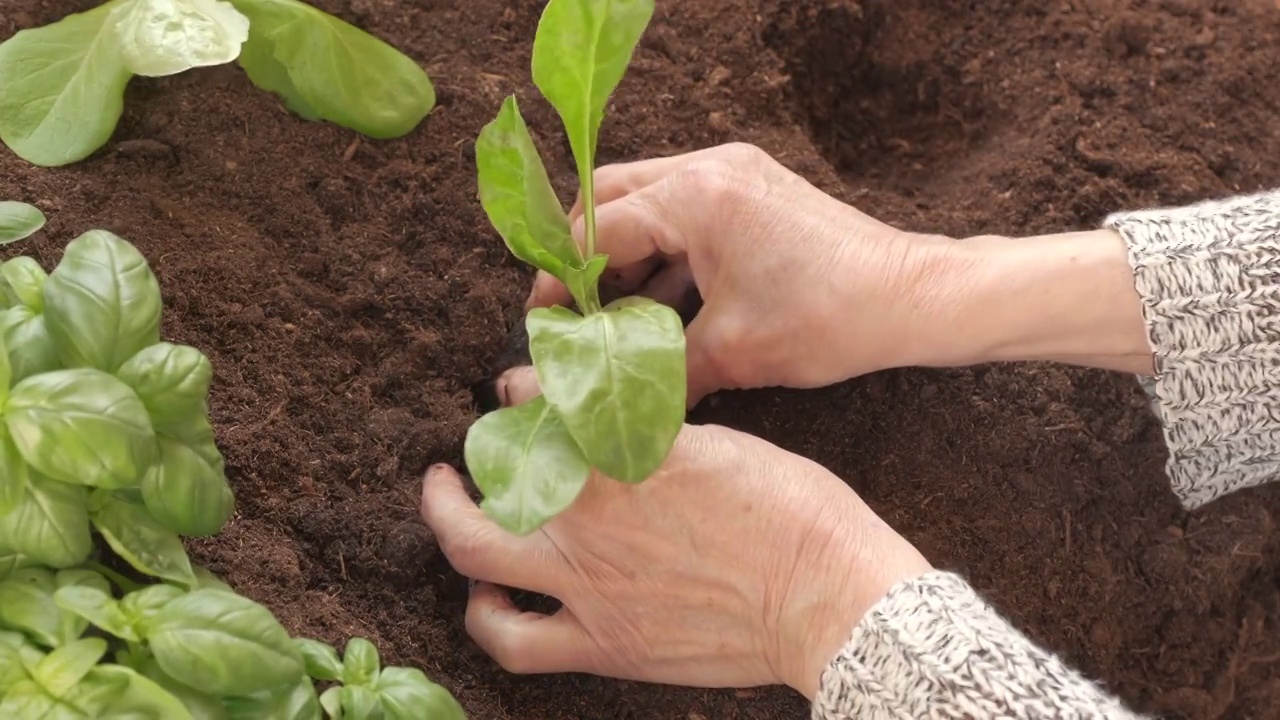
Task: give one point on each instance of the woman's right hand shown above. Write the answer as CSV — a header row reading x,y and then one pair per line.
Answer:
x,y
799,289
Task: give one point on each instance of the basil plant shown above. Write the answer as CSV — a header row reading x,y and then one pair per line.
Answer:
x,y
108,458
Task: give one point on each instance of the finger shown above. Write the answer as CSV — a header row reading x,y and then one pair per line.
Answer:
x,y
621,179
547,291
478,548
525,643
699,369
518,386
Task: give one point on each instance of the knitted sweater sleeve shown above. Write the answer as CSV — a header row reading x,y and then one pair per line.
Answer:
x,y
1208,277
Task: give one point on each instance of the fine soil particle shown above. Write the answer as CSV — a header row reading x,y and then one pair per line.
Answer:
x,y
351,293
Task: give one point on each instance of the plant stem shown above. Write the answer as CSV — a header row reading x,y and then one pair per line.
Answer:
x,y
121,581
589,212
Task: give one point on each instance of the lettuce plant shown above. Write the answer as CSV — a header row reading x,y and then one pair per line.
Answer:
x,y
64,83
106,448
613,376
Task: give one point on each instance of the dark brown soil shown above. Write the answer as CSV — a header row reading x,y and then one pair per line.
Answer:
x,y
349,293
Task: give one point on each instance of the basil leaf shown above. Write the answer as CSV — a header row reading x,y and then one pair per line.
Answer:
x,y
360,662
72,625
65,667
206,580
331,701
102,302
82,426
197,434
333,70
298,702
63,88
26,606
127,694
97,607
617,379
223,643
171,380
11,561
26,279
14,474
31,348
184,494
50,524
18,221
16,654
158,39
580,53
201,705
518,197
358,703
135,536
526,464
407,694
140,606
320,659
26,699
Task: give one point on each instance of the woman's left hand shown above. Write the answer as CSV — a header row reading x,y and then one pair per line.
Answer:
x,y
737,564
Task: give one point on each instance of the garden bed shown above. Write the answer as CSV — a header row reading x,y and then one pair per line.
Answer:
x,y
350,293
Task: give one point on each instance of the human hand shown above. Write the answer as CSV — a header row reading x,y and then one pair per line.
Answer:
x,y
737,564
799,289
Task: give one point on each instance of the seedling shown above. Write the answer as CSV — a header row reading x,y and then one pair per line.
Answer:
x,y
64,83
105,429
612,377
19,221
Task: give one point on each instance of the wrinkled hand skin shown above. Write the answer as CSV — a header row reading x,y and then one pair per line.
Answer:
x,y
676,291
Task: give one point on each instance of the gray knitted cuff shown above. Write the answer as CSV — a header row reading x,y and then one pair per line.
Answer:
x,y
932,648
1209,279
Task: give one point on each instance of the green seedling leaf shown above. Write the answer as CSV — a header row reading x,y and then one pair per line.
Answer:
x,y
140,606
526,463
11,561
50,524
171,380
327,69
26,279
202,706
360,662
63,88
223,643
331,701
407,694
72,625
97,607
16,655
163,37
26,605
125,693
185,494
82,426
102,303
31,348
65,667
135,536
206,580
18,221
617,380
14,474
299,702
517,195
321,659
358,703
580,53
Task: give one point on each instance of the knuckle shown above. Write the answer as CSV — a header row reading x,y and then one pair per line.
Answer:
x,y
713,180
745,153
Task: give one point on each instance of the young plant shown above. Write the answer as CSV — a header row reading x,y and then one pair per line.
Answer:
x,y
64,83
105,429
19,221
364,690
613,377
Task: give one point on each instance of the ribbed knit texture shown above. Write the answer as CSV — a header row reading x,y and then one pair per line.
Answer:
x,y
1209,279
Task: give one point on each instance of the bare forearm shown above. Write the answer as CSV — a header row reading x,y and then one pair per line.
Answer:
x,y
1066,298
